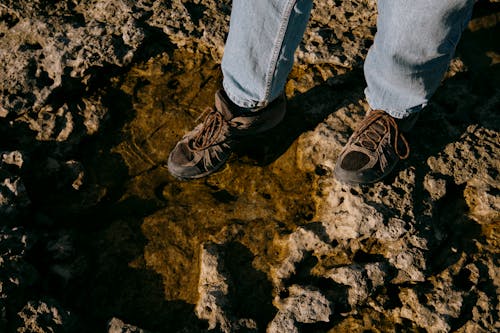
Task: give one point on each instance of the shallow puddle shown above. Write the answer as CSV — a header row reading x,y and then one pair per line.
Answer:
x,y
252,200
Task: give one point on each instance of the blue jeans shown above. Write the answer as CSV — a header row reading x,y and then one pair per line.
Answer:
x,y
413,46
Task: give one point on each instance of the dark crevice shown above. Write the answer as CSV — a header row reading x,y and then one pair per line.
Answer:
x,y
196,11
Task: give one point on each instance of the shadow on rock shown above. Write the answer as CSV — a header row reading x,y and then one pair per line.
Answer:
x,y
234,296
104,274
252,290
456,232
119,285
304,112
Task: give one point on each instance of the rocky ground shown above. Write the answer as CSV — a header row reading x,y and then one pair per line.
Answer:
x,y
96,236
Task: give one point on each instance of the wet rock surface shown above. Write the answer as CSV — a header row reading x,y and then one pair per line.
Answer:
x,y
96,236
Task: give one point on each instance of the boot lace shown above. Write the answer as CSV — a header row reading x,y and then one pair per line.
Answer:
x,y
371,133
211,129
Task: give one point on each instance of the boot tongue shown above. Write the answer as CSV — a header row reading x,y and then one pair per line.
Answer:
x,y
222,105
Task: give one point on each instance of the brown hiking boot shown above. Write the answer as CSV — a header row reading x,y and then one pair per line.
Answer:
x,y
208,146
374,149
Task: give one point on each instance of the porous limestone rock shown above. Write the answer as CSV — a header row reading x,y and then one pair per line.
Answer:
x,y
52,52
116,325
44,317
216,302
338,33
12,158
213,288
302,305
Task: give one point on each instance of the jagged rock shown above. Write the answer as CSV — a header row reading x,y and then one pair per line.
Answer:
x,y
193,25
360,279
419,314
116,325
303,305
93,113
478,144
214,304
435,186
44,317
337,33
13,196
44,53
213,289
298,244
53,125
470,161
13,158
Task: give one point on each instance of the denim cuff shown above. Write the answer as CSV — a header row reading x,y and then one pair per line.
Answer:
x,y
245,104
398,113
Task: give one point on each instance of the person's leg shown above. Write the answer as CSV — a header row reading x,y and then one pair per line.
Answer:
x,y
258,55
413,46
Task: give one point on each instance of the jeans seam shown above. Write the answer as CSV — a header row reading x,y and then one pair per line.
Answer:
x,y
277,50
